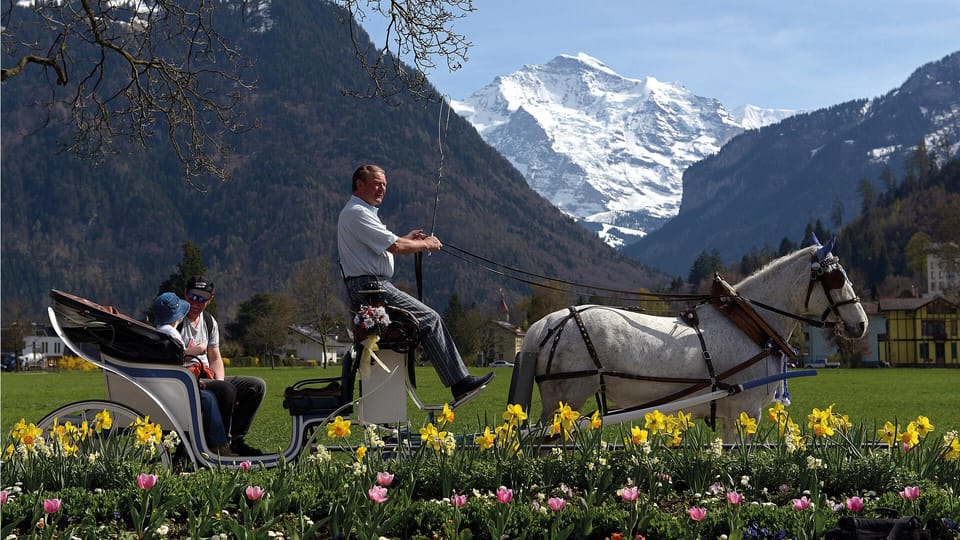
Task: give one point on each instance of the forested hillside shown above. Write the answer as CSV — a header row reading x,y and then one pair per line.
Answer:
x,y
886,245
113,232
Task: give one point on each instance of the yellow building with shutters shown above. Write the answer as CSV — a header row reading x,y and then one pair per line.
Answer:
x,y
920,332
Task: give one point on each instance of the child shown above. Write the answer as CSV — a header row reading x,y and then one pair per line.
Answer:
x,y
168,311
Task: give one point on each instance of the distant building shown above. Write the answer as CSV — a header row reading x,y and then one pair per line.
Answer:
x,y
308,345
920,332
942,276
818,349
42,351
500,340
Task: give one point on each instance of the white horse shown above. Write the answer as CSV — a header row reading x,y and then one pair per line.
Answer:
x,y
642,360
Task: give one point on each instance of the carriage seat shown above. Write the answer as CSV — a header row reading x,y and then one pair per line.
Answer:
x,y
401,335
306,397
116,334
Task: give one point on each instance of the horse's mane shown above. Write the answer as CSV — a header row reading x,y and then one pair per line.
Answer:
x,y
776,265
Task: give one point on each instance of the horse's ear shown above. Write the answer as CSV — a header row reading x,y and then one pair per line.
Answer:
x,y
814,239
826,249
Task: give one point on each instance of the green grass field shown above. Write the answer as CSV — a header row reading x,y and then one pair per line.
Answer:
x,y
868,396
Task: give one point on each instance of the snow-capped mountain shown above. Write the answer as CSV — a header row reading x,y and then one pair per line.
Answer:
x,y
606,149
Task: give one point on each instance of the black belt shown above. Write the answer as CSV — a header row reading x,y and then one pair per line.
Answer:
x,y
367,278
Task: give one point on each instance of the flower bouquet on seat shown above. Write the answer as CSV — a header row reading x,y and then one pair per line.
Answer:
x,y
369,323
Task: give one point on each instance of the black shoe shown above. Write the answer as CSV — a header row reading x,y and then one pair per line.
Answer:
x,y
241,448
470,385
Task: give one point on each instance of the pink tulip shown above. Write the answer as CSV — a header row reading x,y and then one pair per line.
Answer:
x,y
802,503
245,465
377,494
556,503
384,478
146,481
910,493
4,496
854,504
697,513
629,494
734,498
51,506
254,493
715,488
458,500
504,495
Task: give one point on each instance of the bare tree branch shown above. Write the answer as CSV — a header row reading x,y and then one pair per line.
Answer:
x,y
132,69
417,32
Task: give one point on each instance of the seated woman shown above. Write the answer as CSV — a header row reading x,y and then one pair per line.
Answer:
x,y
168,311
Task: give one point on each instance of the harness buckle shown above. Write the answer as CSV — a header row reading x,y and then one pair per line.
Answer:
x,y
706,355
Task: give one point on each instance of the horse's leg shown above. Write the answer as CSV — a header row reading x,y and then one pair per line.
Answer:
x,y
572,392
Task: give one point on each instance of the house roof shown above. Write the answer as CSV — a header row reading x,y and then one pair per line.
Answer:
x,y
910,304
313,335
509,327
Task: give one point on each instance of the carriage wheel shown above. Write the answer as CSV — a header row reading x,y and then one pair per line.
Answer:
x,y
80,411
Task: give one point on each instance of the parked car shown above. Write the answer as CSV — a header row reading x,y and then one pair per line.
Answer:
x,y
31,361
9,362
501,363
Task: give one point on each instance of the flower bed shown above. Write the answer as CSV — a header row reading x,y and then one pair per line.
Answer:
x,y
669,478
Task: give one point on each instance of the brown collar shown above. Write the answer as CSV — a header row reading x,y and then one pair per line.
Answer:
x,y
743,316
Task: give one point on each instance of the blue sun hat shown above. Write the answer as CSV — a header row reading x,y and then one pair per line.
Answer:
x,y
168,307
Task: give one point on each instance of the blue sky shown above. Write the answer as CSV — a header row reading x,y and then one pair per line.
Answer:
x,y
804,54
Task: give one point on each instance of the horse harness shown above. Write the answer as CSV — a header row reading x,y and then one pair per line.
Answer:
x,y
726,300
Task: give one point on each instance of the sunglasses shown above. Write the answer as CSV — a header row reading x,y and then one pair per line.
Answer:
x,y
197,298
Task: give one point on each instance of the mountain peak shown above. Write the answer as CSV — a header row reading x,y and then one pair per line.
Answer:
x,y
580,60
606,149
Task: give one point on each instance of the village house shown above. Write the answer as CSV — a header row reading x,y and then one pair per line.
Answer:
x,y
307,344
500,342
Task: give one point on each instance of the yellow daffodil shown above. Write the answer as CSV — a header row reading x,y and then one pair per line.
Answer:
x,y
339,428
428,432
655,422
361,452
889,433
795,441
514,415
595,421
31,434
566,415
102,421
485,441
745,424
923,426
676,437
818,417
951,445
778,413
682,422
638,436
446,416
910,437
505,431
18,430
556,428
146,432
823,429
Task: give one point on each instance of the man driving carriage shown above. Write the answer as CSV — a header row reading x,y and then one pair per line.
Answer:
x,y
367,250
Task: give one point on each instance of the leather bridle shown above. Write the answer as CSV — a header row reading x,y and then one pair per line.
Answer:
x,y
831,277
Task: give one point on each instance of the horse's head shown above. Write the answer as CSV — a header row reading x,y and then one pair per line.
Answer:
x,y
839,301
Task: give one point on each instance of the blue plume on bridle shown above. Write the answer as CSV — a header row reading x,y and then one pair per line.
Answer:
x,y
826,249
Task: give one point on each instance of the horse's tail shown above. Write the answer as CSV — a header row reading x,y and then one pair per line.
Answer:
x,y
525,367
